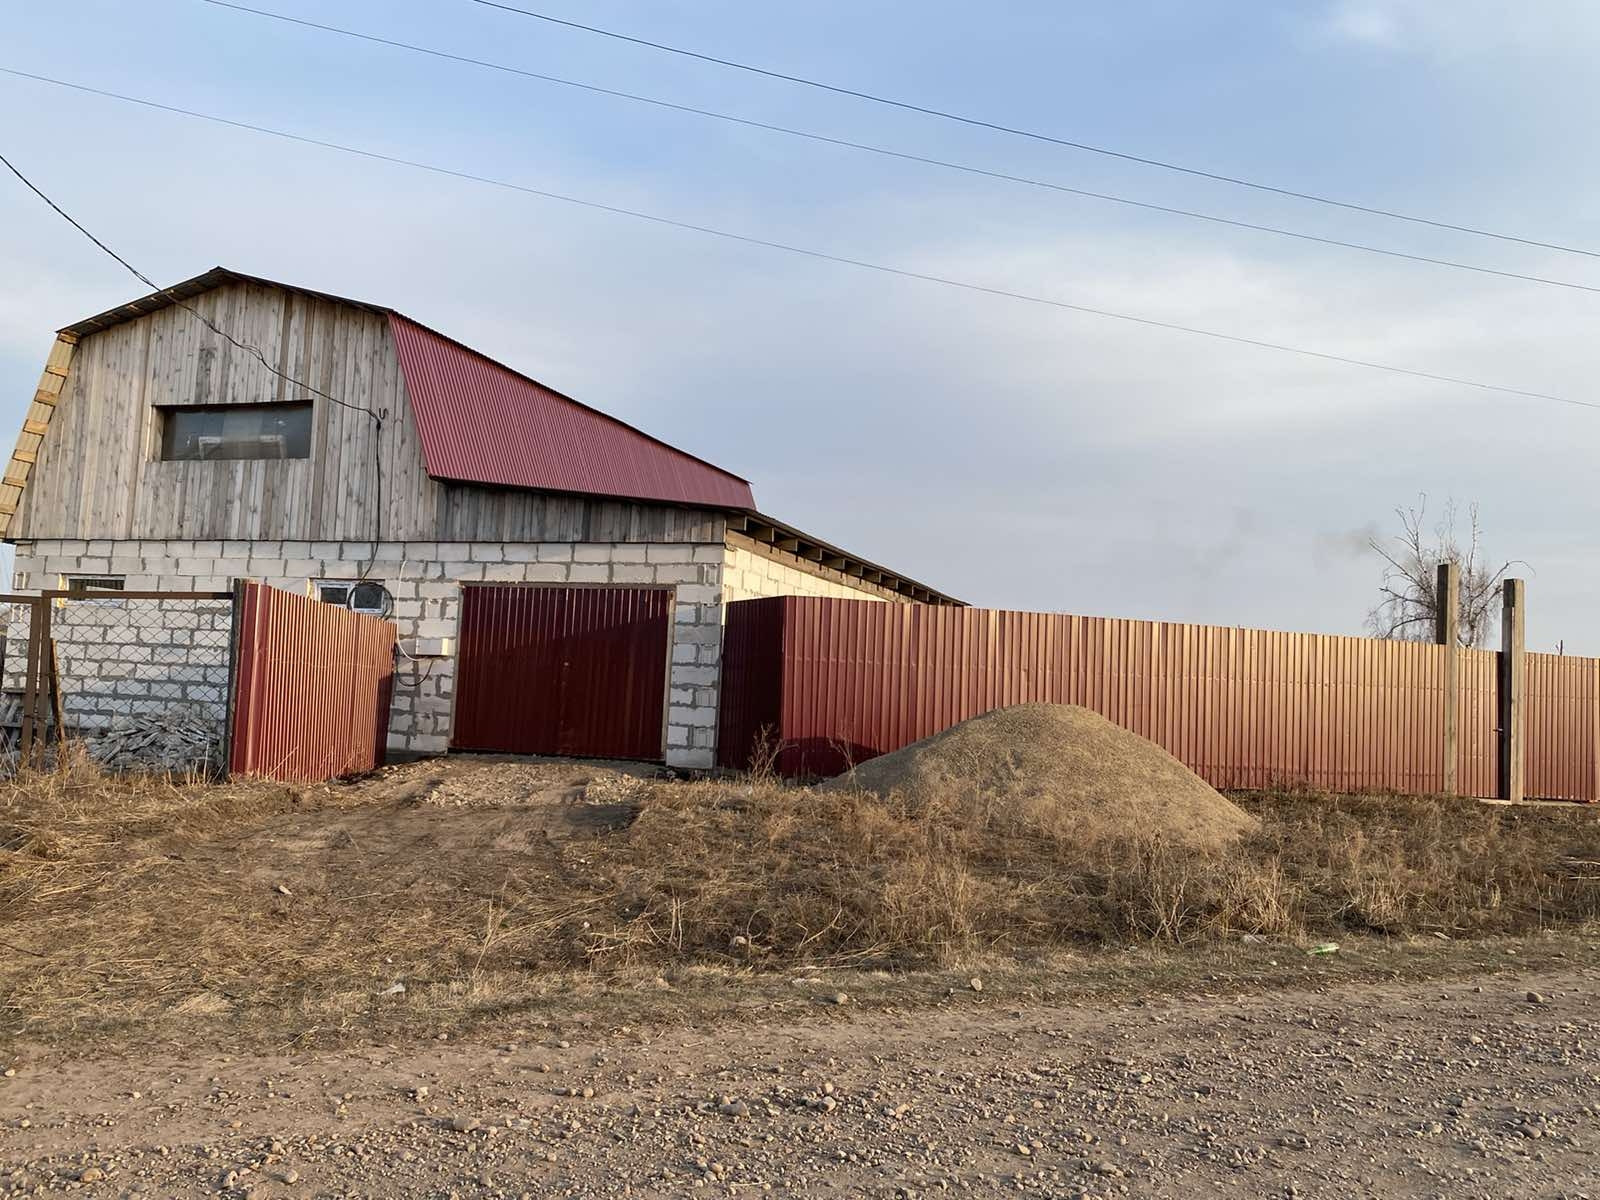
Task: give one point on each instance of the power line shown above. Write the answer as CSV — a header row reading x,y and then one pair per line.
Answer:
x,y
248,348
885,151
806,252
1033,135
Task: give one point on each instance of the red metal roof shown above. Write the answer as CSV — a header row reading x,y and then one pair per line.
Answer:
x,y
481,422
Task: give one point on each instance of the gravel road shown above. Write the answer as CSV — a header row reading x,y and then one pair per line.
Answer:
x,y
1448,1089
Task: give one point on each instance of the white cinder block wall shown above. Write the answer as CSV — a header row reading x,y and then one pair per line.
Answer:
x,y
749,574
425,580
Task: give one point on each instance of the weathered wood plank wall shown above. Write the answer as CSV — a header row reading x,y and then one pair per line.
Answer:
x,y
99,472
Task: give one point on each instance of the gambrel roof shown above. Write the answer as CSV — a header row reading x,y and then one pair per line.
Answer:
x,y
482,422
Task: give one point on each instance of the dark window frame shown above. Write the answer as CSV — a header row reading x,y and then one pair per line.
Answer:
x,y
89,584
173,444
348,586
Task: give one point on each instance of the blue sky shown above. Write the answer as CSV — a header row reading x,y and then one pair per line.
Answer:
x,y
1017,456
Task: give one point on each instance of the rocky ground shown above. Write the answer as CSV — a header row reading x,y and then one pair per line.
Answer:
x,y
1418,1089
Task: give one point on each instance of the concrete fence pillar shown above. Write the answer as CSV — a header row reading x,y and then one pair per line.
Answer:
x,y
1513,676
1447,633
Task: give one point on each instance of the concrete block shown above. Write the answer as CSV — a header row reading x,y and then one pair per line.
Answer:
x,y
678,573
545,572
668,554
555,551
690,759
679,714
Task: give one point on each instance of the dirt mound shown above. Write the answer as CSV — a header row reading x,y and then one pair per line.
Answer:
x,y
1057,770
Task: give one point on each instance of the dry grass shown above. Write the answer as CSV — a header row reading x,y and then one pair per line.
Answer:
x,y
840,876
140,904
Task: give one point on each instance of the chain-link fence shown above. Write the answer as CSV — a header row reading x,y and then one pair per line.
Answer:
x,y
139,680
16,623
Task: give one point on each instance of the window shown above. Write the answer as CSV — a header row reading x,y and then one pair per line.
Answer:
x,y
363,596
92,583
233,431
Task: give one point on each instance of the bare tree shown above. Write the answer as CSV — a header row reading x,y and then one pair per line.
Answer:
x,y
1409,606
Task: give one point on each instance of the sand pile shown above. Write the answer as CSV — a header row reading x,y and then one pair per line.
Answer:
x,y
1055,770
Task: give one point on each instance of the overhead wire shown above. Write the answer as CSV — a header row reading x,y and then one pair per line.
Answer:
x,y
888,152
252,350
1033,135
807,252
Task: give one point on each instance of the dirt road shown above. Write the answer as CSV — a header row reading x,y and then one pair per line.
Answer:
x,y
1417,1089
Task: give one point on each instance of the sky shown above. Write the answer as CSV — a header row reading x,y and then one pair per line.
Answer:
x,y
1012,454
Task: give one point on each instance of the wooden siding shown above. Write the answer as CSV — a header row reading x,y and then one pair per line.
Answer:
x,y
98,473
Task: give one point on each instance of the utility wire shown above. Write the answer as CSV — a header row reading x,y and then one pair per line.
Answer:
x,y
1032,135
886,152
253,351
824,256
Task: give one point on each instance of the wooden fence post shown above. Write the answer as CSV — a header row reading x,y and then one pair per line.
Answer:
x,y
1447,633
1513,674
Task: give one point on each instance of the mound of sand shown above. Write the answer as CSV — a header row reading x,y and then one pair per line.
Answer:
x,y
1055,770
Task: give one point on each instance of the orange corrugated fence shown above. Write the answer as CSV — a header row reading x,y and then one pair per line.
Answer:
x,y
312,686
837,681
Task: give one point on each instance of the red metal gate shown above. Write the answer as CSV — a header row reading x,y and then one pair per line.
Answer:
x,y
562,670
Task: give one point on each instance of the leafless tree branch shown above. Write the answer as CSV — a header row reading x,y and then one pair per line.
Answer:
x,y
1409,604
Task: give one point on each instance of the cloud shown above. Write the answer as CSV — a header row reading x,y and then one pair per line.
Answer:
x,y
1012,454
1373,22
1458,29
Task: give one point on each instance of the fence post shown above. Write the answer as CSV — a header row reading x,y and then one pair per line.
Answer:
x,y
225,767
1513,673
1447,633
37,630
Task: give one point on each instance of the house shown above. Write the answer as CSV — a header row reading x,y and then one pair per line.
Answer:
x,y
557,577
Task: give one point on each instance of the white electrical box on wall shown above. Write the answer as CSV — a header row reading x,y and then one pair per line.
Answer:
x,y
431,647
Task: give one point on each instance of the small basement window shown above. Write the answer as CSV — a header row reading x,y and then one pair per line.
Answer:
x,y
363,596
92,583
196,433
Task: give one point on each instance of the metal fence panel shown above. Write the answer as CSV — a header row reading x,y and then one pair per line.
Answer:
x,y
312,687
1244,708
143,678
1561,712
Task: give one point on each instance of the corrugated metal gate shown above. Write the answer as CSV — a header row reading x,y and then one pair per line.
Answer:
x,y
562,670
311,688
